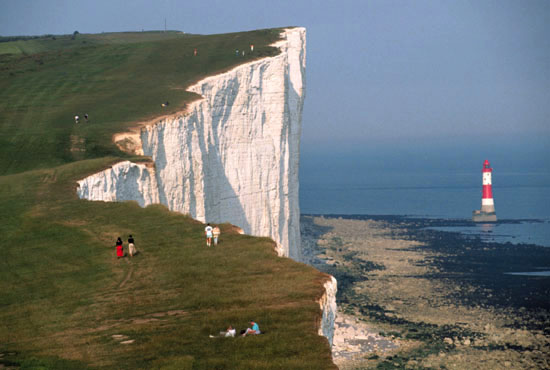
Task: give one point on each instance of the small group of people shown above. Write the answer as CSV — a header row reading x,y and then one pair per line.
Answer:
x,y
242,51
212,233
231,332
77,118
131,247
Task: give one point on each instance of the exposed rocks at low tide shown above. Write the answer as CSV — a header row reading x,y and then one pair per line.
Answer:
x,y
439,300
353,338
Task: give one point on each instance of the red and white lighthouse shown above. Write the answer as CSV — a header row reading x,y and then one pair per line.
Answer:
x,y
487,211
487,202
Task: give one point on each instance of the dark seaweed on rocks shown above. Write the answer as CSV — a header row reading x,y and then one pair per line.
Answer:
x,y
473,274
429,333
483,266
477,263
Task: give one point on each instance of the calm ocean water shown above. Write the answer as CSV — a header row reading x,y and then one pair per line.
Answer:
x,y
440,194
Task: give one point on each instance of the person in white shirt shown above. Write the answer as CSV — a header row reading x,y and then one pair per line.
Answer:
x,y
208,231
230,332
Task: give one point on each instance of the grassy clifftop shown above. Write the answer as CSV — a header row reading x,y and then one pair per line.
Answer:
x,y
114,81
65,300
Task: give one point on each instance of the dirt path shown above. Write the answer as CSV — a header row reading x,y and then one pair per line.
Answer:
x,y
128,274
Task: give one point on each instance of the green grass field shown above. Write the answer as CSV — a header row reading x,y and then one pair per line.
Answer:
x,y
63,293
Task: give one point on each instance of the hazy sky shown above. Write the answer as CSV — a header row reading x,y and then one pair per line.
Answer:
x,y
378,72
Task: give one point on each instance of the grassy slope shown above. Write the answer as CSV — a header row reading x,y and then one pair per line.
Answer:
x,y
63,294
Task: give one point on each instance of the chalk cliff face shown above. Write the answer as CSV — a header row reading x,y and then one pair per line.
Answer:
x,y
232,157
329,309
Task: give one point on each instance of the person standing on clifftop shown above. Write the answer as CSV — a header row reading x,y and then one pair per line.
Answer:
x,y
208,231
119,249
131,246
216,232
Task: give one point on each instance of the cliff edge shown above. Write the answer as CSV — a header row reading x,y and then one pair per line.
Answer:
x,y
232,156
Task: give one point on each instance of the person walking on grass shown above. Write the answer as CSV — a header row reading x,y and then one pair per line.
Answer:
x,y
119,249
76,118
131,246
208,231
216,233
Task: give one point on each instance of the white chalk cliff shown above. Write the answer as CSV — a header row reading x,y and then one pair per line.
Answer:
x,y
232,156
329,309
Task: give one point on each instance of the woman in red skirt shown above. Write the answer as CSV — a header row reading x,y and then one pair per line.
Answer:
x,y
119,249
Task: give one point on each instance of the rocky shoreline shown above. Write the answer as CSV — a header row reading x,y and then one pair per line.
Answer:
x,y
411,297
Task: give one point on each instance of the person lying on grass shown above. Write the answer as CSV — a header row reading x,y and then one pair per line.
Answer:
x,y
253,331
230,332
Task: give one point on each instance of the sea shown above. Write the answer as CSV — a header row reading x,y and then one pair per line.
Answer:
x,y
377,183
